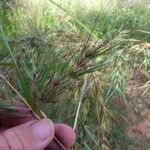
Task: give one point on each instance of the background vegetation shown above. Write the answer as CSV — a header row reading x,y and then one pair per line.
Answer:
x,y
77,63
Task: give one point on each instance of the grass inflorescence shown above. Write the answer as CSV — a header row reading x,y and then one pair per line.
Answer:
x,y
73,65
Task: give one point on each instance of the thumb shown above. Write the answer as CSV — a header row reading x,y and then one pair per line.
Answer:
x,y
33,135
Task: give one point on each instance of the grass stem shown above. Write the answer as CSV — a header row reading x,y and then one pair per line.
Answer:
x,y
80,102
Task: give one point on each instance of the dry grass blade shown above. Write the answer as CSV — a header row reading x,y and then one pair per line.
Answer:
x,y
80,102
24,101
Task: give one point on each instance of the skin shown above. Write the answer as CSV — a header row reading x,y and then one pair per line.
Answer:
x,y
24,132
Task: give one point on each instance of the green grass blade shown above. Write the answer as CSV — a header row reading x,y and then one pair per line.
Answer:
x,y
75,19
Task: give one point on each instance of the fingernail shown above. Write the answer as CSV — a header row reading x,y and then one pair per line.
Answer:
x,y
42,129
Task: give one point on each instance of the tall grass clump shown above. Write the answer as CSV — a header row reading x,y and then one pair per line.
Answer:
x,y
71,65
42,81
133,18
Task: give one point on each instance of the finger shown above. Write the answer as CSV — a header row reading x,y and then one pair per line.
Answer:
x,y
34,135
53,146
65,135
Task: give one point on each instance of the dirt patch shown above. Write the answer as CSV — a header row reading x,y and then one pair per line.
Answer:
x,y
140,118
134,92
141,130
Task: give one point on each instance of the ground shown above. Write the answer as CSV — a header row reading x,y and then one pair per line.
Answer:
x,y
139,130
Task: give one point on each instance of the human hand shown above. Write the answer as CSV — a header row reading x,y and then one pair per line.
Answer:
x,y
26,133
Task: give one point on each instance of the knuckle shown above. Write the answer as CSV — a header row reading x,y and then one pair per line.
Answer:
x,y
12,139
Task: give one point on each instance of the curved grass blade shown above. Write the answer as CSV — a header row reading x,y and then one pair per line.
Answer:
x,y
74,18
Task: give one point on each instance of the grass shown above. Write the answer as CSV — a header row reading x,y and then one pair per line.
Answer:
x,y
73,64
